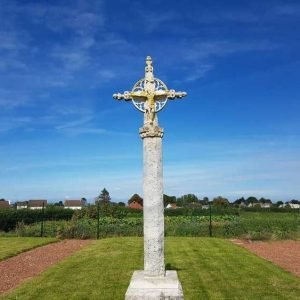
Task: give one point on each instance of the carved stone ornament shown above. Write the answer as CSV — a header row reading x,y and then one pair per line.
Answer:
x,y
151,131
149,95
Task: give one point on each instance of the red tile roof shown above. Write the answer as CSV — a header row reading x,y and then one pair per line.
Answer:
x,y
37,203
74,203
4,204
135,205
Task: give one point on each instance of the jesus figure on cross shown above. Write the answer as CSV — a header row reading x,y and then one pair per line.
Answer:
x,y
149,94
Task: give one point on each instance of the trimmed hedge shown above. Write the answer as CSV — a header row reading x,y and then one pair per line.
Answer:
x,y
9,218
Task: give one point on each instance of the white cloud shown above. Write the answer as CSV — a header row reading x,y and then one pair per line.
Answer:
x,y
75,123
199,71
260,166
204,50
72,58
8,124
83,130
80,17
13,99
106,74
154,21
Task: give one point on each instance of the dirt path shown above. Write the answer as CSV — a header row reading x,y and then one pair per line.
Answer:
x,y
17,269
285,254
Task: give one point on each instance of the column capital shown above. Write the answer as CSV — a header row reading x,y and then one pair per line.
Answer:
x,y
149,131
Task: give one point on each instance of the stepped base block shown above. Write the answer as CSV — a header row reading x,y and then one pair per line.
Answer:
x,y
154,288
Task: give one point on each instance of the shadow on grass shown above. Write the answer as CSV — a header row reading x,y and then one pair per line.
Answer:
x,y
170,267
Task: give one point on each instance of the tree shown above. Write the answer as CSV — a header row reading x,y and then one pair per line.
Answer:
x,y
204,201
136,198
295,201
187,199
239,201
60,203
252,200
263,201
104,197
179,202
220,202
279,203
169,199
121,204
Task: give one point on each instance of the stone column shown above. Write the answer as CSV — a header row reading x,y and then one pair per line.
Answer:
x,y
153,201
153,283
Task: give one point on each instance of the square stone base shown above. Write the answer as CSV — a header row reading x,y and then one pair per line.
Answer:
x,y
154,288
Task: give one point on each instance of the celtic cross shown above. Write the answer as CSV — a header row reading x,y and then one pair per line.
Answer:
x,y
149,95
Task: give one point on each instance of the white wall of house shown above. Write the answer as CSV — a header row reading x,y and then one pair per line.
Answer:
x,y
22,207
73,207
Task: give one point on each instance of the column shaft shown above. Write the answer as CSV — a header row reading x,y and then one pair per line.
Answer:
x,y
153,207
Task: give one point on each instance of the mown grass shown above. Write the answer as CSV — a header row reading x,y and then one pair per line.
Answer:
x,y
209,268
10,246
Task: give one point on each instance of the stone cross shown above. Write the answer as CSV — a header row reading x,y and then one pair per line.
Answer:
x,y
150,95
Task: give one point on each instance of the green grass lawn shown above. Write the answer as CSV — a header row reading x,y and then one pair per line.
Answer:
x,y
208,268
10,246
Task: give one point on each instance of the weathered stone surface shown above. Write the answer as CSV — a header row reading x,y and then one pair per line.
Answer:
x,y
151,131
153,202
154,288
149,95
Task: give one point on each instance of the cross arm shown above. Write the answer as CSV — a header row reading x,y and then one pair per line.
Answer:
x,y
172,94
126,96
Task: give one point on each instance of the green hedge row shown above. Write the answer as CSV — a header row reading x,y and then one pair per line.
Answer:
x,y
252,226
9,218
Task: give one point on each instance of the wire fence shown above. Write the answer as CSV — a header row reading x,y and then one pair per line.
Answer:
x,y
97,222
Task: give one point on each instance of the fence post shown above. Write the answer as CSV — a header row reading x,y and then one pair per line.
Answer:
x,y
42,224
98,219
210,226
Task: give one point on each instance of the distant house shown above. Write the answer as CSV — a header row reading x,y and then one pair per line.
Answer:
x,y
22,204
171,206
254,204
75,204
294,205
243,204
135,205
37,204
4,203
265,205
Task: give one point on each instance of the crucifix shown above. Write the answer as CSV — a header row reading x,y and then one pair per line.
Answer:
x,y
150,95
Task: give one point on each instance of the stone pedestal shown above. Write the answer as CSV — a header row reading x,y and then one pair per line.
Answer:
x,y
154,288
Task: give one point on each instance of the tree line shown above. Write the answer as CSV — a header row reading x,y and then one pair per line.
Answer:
x,y
190,200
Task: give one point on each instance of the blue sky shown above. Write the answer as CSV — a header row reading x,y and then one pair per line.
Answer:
x,y
236,134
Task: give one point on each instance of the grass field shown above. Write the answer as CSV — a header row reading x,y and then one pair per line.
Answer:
x,y
10,246
209,268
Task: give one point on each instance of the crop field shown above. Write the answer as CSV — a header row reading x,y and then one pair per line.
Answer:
x,y
208,268
247,225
